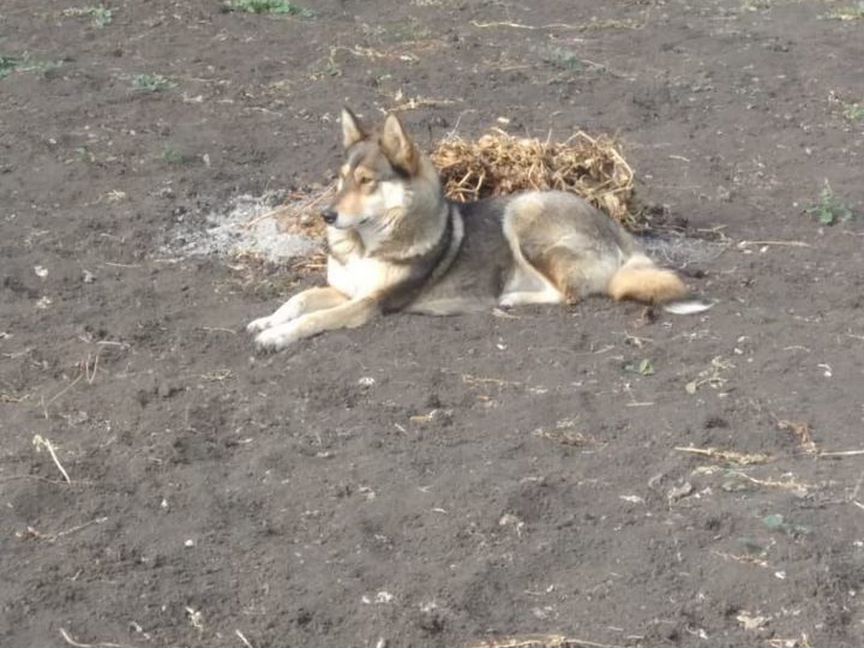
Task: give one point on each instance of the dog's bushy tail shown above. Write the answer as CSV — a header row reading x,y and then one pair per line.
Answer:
x,y
641,280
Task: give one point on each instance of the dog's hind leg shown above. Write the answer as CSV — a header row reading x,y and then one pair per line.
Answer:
x,y
528,284
576,273
572,246
308,301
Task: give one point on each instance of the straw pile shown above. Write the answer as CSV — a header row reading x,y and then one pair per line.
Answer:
x,y
499,163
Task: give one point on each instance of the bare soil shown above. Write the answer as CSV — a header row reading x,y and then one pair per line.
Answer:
x,y
466,481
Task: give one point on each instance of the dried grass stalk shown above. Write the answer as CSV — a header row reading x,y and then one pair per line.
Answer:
x,y
729,456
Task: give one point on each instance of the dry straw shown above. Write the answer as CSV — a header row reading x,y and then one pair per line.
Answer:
x,y
497,164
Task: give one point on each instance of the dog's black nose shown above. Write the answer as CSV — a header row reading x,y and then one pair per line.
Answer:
x,y
329,215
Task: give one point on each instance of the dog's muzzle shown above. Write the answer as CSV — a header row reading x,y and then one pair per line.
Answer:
x,y
329,215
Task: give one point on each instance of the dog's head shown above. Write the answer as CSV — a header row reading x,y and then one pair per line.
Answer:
x,y
383,175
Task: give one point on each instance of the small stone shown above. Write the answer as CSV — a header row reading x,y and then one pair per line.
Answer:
x,y
679,492
167,390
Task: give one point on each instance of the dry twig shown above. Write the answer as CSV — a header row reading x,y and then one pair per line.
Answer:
x,y
842,453
41,442
51,537
790,484
802,433
594,25
542,641
744,244
728,456
245,641
102,644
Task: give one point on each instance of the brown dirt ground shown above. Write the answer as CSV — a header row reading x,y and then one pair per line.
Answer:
x,y
290,499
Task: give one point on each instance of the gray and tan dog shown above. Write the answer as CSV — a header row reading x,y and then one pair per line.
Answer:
x,y
396,243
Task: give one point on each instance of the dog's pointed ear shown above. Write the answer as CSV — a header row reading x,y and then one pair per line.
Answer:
x,y
352,131
398,146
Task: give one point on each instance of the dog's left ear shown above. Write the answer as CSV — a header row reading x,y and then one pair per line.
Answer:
x,y
352,130
398,146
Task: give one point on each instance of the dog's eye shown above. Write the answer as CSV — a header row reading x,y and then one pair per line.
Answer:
x,y
364,180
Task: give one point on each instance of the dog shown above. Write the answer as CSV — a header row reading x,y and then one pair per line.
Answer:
x,y
395,243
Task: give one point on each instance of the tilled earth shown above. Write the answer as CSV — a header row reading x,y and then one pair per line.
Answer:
x,y
592,475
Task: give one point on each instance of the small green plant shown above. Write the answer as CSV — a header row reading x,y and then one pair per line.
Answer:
x,y
152,83
855,12
172,155
756,5
830,209
564,59
42,67
776,522
853,111
101,15
644,368
281,7
84,155
9,64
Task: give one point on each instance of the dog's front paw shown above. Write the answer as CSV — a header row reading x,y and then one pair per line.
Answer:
x,y
507,301
276,338
259,324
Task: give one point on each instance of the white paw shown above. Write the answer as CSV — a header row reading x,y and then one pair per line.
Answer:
x,y
259,324
289,311
276,337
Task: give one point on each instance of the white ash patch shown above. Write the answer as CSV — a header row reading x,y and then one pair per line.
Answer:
x,y
681,252
241,228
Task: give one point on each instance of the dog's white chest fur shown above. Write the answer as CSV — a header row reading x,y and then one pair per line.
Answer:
x,y
361,276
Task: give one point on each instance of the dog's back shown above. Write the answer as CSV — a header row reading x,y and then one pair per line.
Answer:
x,y
478,273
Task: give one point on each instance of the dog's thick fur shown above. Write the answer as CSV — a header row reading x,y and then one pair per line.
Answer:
x,y
396,243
